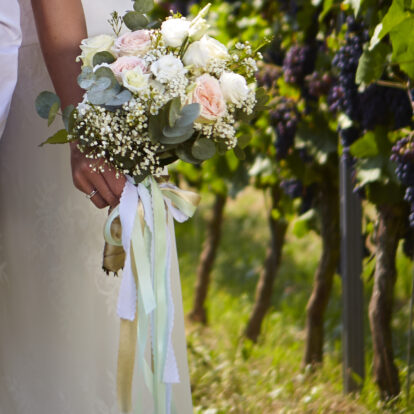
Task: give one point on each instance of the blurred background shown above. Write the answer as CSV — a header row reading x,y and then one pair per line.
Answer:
x,y
261,262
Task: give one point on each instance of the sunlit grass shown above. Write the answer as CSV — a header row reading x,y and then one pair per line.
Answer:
x,y
230,375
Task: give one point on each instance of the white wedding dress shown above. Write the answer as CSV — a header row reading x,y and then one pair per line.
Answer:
x,y
58,324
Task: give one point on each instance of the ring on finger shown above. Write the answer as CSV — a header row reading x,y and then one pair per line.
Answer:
x,y
91,194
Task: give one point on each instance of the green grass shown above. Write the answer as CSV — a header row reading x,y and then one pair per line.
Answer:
x,y
230,375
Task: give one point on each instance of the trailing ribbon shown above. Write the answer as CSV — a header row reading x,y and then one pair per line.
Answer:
x,y
144,212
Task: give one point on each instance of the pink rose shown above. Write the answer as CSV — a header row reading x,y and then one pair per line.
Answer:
x,y
125,63
133,43
208,94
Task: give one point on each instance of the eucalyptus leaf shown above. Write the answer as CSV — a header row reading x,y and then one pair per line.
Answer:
x,y
103,57
99,97
102,83
44,103
189,113
135,21
176,139
185,156
67,117
61,137
86,78
52,113
143,6
120,99
174,111
176,131
203,149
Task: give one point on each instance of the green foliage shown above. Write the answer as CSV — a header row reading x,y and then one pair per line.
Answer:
x,y
143,6
60,137
135,20
45,103
103,57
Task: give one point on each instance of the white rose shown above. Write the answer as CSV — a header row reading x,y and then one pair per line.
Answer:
x,y
135,80
199,53
167,67
174,31
234,87
93,45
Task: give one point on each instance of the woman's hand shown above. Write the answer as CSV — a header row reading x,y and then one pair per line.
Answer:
x,y
60,49
108,186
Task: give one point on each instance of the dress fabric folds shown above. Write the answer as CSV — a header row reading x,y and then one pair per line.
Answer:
x,y
59,329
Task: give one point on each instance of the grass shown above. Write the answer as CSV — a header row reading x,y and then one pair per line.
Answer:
x,y
231,375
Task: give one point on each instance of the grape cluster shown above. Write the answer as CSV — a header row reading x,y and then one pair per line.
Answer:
x,y
298,62
294,188
268,75
345,96
317,84
284,118
403,155
385,106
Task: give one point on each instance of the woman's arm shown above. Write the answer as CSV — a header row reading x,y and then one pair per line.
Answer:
x,y
61,27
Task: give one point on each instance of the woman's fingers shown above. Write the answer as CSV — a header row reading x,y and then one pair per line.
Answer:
x,y
80,179
109,187
116,184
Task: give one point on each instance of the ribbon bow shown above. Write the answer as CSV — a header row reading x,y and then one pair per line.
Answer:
x,y
145,211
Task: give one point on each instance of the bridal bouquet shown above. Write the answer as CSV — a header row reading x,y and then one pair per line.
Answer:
x,y
154,94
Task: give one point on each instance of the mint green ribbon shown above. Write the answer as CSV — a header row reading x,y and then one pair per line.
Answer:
x,y
150,257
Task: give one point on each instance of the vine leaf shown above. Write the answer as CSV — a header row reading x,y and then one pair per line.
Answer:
x,y
372,64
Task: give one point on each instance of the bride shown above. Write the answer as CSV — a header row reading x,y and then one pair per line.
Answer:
x,y
58,323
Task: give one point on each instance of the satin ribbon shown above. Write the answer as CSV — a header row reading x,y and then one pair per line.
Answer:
x,y
145,211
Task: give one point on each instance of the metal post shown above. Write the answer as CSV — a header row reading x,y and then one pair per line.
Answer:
x,y
352,286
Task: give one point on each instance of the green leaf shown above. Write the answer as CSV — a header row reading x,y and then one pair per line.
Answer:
x,y
86,78
176,136
244,140
239,153
61,137
327,7
44,103
365,147
304,223
52,113
143,6
356,5
68,118
174,111
370,171
185,156
103,57
394,17
120,99
189,113
203,149
372,64
403,46
135,21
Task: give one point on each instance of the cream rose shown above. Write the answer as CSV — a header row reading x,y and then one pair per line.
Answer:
x,y
126,63
200,52
174,31
93,45
167,67
234,87
135,80
133,43
208,94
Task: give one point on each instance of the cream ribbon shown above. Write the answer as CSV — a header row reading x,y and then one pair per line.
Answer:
x,y
145,211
